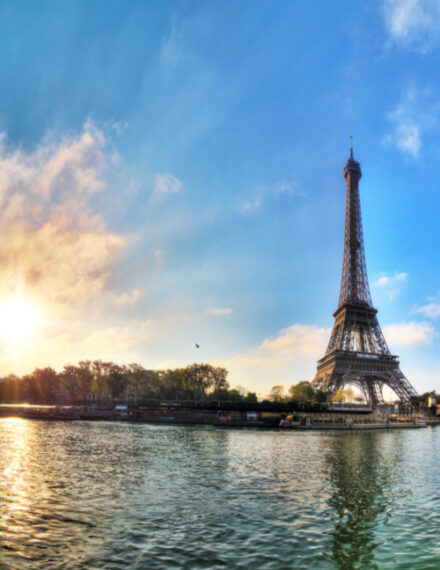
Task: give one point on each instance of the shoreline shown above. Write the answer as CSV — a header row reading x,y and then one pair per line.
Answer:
x,y
171,415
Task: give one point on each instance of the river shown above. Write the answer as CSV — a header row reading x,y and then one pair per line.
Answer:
x,y
116,495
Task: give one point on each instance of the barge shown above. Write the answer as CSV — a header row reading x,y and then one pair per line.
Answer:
x,y
350,423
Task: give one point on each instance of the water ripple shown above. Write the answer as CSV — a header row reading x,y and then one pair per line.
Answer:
x,y
108,495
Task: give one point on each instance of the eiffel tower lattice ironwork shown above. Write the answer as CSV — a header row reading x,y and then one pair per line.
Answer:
x,y
357,353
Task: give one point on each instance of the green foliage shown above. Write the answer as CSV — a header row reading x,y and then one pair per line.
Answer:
x,y
302,392
277,393
106,383
346,395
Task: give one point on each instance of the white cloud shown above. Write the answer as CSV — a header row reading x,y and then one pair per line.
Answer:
x,y
251,206
432,310
58,255
67,171
128,298
285,187
278,190
296,341
386,280
219,311
407,138
53,245
164,186
410,334
410,121
286,358
414,24
390,284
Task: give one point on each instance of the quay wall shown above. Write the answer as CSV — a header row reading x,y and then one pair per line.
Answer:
x,y
169,414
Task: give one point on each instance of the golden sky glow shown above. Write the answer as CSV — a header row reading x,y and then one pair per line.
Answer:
x,y
19,320
71,288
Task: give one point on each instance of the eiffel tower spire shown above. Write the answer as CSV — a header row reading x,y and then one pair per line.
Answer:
x,y
354,285
357,352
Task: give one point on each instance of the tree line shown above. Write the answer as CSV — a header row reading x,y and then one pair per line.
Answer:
x,y
301,392
304,392
105,383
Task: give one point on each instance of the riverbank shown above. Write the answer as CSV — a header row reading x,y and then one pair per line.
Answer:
x,y
169,414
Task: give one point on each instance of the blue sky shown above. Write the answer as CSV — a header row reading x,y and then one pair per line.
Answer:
x,y
171,173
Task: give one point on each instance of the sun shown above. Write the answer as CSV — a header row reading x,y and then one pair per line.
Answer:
x,y
19,319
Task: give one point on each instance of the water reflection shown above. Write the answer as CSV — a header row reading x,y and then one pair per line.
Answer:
x,y
14,479
359,480
113,495
14,476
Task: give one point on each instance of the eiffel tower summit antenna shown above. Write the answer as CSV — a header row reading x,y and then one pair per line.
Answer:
x,y
357,352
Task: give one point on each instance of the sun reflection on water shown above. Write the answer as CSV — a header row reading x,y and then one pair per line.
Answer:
x,y
14,468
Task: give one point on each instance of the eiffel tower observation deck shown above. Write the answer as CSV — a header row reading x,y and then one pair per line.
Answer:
x,y
357,353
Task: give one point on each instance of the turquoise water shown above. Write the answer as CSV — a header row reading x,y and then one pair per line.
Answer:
x,y
112,495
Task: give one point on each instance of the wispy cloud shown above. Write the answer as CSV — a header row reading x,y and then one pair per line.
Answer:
x,y
410,333
58,255
390,284
158,256
287,357
53,244
296,340
386,280
172,44
218,311
413,24
407,137
128,298
264,194
250,206
431,310
285,187
164,186
413,119
409,123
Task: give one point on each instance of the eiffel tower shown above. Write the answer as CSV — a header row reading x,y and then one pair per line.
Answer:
x,y
357,353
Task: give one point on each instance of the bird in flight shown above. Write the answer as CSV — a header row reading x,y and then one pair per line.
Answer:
x,y
197,345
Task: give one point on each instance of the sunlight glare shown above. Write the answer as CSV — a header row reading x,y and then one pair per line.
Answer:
x,y
18,319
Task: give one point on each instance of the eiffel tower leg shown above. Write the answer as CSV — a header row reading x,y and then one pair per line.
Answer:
x,y
373,389
401,387
378,389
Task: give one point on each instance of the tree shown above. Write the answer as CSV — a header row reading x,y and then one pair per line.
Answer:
x,y
302,392
10,389
99,370
346,395
204,378
276,393
251,397
116,381
321,396
29,392
137,380
219,376
85,378
41,386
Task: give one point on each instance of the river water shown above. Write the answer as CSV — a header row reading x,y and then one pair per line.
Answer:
x,y
115,495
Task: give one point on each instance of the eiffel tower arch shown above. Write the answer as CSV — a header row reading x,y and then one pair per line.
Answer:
x,y
357,352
